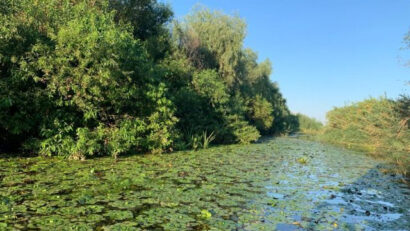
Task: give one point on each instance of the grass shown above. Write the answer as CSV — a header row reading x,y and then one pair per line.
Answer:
x,y
373,126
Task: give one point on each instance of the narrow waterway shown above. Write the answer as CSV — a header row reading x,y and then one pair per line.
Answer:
x,y
330,188
280,184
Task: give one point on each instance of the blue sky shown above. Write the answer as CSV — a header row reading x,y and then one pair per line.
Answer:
x,y
325,53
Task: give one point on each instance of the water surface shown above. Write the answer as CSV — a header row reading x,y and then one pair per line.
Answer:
x,y
282,184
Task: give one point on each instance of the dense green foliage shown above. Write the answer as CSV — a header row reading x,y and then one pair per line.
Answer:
x,y
106,77
74,82
238,100
377,126
308,125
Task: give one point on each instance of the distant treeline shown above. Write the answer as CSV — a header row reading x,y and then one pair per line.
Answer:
x,y
380,127
308,125
107,77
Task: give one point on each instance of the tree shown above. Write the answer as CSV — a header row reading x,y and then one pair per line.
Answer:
x,y
260,113
106,77
148,19
217,34
308,124
211,41
78,82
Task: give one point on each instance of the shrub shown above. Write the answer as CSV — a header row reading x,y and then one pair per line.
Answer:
x,y
85,80
260,113
242,132
374,126
209,85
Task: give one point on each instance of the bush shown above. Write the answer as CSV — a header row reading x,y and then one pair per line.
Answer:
x,y
260,113
85,80
243,133
374,126
209,85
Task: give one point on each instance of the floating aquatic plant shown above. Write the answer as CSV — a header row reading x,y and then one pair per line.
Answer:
x,y
251,187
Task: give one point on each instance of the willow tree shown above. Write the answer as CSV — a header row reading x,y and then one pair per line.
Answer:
x,y
210,40
219,34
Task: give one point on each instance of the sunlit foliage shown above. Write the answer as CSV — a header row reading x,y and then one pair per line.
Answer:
x,y
378,126
212,42
309,125
108,77
75,82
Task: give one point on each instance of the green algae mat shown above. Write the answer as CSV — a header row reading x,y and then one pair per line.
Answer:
x,y
280,184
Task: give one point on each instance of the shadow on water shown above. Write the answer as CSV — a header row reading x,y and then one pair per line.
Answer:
x,y
375,201
288,184
328,194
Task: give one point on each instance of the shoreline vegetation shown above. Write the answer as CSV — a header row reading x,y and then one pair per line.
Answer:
x,y
82,79
116,116
108,78
376,126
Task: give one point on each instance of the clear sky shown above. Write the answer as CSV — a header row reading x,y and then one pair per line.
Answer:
x,y
325,53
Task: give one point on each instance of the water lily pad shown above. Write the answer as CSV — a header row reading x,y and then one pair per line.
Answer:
x,y
205,214
119,215
252,187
